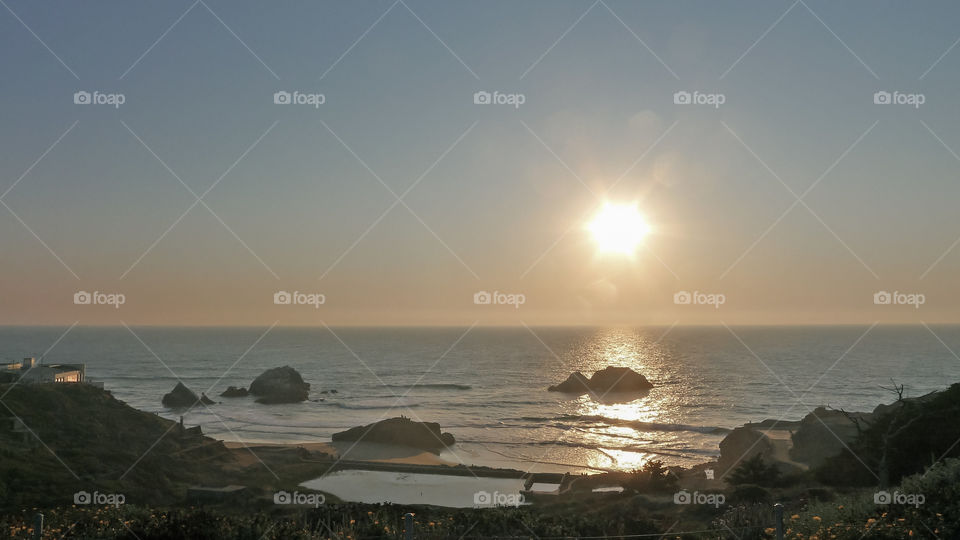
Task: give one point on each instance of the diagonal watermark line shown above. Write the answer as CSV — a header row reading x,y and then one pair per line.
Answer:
x,y
242,356
645,46
54,454
237,437
159,39
554,244
561,161
52,252
434,34
234,34
198,199
174,424
152,446
359,39
644,154
799,399
952,352
957,241
759,39
845,46
559,39
399,199
799,199
585,214
39,159
589,390
42,356
397,398
21,177
937,61
45,46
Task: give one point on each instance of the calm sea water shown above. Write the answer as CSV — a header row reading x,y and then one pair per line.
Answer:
x,y
488,386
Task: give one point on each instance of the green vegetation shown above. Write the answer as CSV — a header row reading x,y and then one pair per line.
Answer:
x,y
755,471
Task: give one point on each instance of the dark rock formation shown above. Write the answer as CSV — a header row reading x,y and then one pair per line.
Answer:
x,y
824,433
181,397
233,391
400,431
576,383
608,380
742,444
280,385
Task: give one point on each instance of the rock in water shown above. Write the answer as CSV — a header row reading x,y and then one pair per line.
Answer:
x,y
608,380
402,432
280,385
181,397
576,383
233,391
619,379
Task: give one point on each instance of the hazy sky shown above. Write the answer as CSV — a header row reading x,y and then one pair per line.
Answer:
x,y
304,198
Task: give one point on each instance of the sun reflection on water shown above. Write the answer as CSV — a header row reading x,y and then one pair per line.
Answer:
x,y
620,446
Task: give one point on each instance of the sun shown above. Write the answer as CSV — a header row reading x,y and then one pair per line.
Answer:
x,y
618,228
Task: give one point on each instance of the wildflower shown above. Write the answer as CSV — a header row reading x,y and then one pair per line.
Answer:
x,y
816,518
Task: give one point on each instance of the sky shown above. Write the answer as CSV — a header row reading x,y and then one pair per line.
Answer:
x,y
783,194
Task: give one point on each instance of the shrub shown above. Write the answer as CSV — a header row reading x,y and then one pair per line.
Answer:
x,y
750,493
755,471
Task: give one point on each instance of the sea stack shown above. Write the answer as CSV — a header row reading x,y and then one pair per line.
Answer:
x,y
610,379
280,385
182,397
400,431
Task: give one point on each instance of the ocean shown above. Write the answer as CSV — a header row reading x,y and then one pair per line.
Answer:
x,y
487,386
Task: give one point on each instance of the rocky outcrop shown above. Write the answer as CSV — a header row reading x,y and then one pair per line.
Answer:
x,y
182,397
233,391
824,433
742,444
401,432
280,385
610,379
576,383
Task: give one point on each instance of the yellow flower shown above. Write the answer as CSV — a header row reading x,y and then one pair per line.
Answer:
x,y
795,516
816,518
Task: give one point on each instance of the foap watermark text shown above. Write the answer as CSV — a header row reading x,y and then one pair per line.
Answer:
x,y
883,97
99,499
484,298
82,97
897,497
697,97
697,298
499,98
487,499
297,97
715,500
297,298
97,298
299,499
897,298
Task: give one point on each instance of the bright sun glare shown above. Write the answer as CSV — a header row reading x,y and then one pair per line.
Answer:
x,y
618,228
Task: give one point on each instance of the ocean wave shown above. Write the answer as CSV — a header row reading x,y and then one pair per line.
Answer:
x,y
601,448
431,386
619,422
341,405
